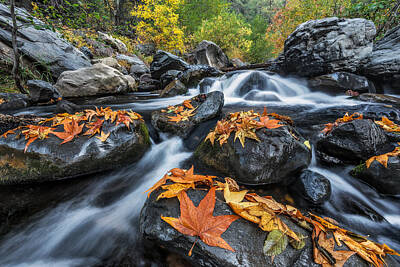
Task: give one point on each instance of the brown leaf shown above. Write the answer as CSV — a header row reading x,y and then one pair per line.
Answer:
x,y
71,129
103,136
199,221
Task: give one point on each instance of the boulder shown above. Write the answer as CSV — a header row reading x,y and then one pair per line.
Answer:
x,y
173,89
148,84
245,237
380,98
353,141
99,79
111,62
40,45
146,49
86,51
313,186
8,122
100,49
383,64
48,160
65,106
116,43
41,91
164,61
318,47
275,159
13,101
137,66
339,82
207,107
169,77
384,180
196,73
208,53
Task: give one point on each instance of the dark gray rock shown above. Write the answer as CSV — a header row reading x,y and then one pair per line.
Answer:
x,y
353,141
41,46
383,64
65,106
339,82
208,53
313,186
100,49
86,51
318,47
164,61
146,49
207,107
148,84
13,101
275,159
41,91
173,89
380,98
196,73
239,235
170,76
47,160
385,180
8,122
138,67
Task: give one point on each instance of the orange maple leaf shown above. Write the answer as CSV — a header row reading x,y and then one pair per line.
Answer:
x,y
187,104
71,129
199,221
94,127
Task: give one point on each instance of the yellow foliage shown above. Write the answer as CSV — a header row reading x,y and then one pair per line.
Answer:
x,y
159,24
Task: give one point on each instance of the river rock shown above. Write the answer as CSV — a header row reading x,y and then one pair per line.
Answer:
x,y
385,180
137,66
380,98
164,61
208,53
275,159
148,84
111,62
99,79
383,64
13,101
192,76
175,88
207,107
116,43
146,49
41,91
41,46
353,141
245,237
169,77
313,186
339,82
47,160
8,122
318,47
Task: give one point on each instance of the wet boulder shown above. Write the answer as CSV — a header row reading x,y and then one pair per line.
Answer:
x,y
339,82
196,73
279,155
245,237
384,180
8,122
164,61
148,84
380,98
383,64
207,107
313,186
175,88
208,53
41,91
48,160
353,141
318,47
97,80
13,101
40,45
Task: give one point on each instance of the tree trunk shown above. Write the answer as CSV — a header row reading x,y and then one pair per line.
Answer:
x,y
15,70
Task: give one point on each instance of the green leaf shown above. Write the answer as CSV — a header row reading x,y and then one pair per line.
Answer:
x,y
298,244
275,243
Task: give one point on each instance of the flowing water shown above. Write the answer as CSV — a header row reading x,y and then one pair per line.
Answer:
x,y
81,232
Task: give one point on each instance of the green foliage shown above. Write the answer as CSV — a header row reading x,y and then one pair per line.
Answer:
x,y
228,30
260,49
252,8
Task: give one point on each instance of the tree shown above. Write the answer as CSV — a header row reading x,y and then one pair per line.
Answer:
x,y
15,70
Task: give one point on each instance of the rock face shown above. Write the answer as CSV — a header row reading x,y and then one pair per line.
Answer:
x,y
99,79
164,61
12,101
385,180
328,45
273,160
353,141
383,64
41,91
207,107
208,53
243,236
339,82
41,46
47,160
313,187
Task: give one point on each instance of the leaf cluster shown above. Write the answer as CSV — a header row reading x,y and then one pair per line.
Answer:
x,y
346,118
182,112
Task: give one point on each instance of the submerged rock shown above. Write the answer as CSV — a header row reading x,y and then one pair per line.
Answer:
x,y
245,237
207,107
385,180
99,79
273,160
313,187
328,45
47,160
353,141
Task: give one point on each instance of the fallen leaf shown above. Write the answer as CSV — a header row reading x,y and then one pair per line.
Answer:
x,y
94,127
275,243
187,104
173,190
103,136
307,144
71,129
